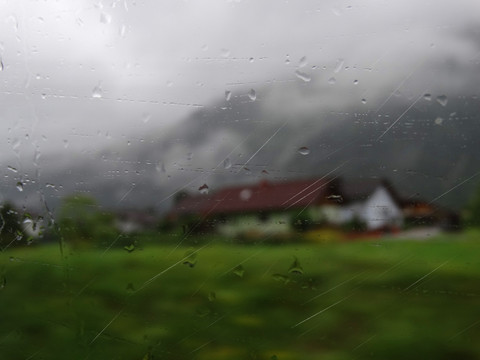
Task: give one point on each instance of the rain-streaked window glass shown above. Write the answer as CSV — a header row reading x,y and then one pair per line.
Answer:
x,y
239,179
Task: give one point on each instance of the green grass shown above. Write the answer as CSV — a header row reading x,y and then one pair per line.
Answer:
x,y
363,300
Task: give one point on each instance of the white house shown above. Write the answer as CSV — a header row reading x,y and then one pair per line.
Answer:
x,y
371,201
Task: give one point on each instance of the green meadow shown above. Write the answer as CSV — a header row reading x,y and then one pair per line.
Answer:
x,y
379,299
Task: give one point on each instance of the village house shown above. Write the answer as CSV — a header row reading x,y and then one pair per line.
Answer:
x,y
280,207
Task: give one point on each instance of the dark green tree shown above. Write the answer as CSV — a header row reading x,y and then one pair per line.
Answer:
x,y
82,223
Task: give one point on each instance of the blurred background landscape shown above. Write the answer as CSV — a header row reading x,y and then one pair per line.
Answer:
x,y
128,125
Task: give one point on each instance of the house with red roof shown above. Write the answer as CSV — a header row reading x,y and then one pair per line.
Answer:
x,y
278,207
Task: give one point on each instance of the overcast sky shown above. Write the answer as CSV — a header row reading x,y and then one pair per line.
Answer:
x,y
80,75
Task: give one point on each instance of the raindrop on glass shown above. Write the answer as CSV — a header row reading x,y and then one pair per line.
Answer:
x,y
252,95
11,168
130,287
1,65
212,296
105,18
251,60
295,268
355,82
339,66
280,278
190,258
245,194
332,81
442,100
97,92
227,164
123,28
304,150
239,271
303,76
203,189
146,118
19,186
427,97
228,95
225,53
438,121
302,62
364,101
129,248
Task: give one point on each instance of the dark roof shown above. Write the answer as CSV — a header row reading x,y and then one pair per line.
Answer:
x,y
363,188
264,196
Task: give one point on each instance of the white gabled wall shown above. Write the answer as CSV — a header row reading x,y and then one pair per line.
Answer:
x,y
381,210
377,211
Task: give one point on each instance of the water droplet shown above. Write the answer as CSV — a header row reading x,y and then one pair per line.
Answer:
x,y
19,186
280,278
438,121
355,82
130,287
11,168
295,268
339,66
212,296
44,96
1,65
239,271
427,97
336,198
251,60
225,53
228,95
303,76
65,144
227,164
302,62
245,194
129,248
364,101
105,18
337,12
252,95
304,150
203,189
122,31
190,258
97,92
332,81
16,144
442,100
146,118
265,172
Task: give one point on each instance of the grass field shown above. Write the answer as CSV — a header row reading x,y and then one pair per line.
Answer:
x,y
364,300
